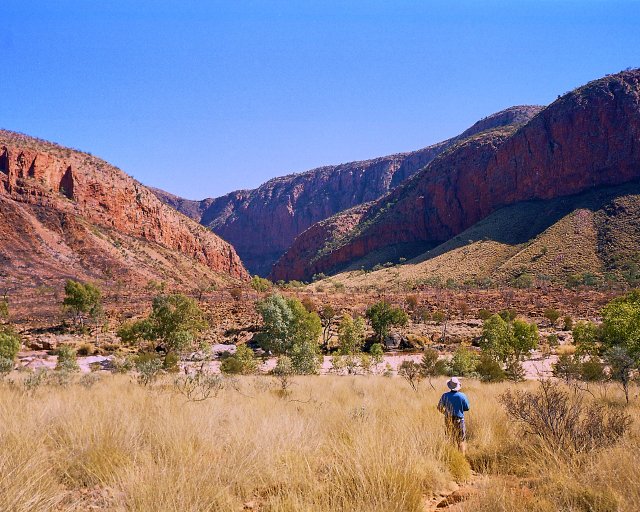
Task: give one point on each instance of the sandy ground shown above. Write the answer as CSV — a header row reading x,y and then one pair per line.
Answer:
x,y
536,367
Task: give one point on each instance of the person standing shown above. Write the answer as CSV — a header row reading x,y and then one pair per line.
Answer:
x,y
453,404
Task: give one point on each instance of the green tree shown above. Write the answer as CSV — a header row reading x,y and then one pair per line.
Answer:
x,y
504,340
585,337
524,338
350,334
277,317
260,284
82,299
176,321
621,323
305,357
464,362
289,329
9,343
283,371
496,337
327,314
383,316
410,371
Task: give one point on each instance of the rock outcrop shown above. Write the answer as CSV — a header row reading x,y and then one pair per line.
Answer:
x,y
588,138
263,223
65,213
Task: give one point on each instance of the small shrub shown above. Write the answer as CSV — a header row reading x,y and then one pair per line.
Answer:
x,y
260,284
552,315
508,315
149,367
438,316
377,352
457,464
60,378
9,343
564,422
67,359
484,314
88,380
305,358
6,366
567,367
411,301
489,369
4,309
513,370
429,364
243,362
592,370
523,281
170,362
411,372
86,349
567,323
122,364
199,385
283,371
35,379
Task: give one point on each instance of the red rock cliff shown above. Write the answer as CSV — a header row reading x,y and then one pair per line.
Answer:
x,y
263,223
588,138
44,177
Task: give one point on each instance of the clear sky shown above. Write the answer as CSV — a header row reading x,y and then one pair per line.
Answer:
x,y
204,97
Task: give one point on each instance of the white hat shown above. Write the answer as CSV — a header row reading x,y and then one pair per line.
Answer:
x,y
454,384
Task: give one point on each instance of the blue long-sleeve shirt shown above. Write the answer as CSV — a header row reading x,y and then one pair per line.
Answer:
x,y
454,403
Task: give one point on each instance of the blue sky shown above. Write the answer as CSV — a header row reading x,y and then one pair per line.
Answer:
x,y
201,98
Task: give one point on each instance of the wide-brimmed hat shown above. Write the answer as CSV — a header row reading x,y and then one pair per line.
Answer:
x,y
454,384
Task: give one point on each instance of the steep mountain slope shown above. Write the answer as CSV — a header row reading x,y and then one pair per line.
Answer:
x,y
588,138
64,214
262,223
596,232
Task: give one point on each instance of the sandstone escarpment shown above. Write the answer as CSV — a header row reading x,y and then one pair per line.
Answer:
x,y
263,223
64,205
586,139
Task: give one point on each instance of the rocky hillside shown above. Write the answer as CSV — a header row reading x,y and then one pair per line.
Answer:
x,y
263,223
586,139
64,213
583,238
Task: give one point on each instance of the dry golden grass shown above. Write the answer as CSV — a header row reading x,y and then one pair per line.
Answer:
x,y
338,443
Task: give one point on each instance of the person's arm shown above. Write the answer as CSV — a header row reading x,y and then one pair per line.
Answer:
x,y
441,405
465,404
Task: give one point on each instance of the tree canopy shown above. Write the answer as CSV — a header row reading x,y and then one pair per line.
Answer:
x,y
383,316
175,322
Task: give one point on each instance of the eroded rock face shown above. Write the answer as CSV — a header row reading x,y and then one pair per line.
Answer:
x,y
263,223
588,138
47,190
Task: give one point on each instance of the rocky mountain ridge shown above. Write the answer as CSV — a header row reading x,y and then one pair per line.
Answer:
x,y
588,138
69,214
263,223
